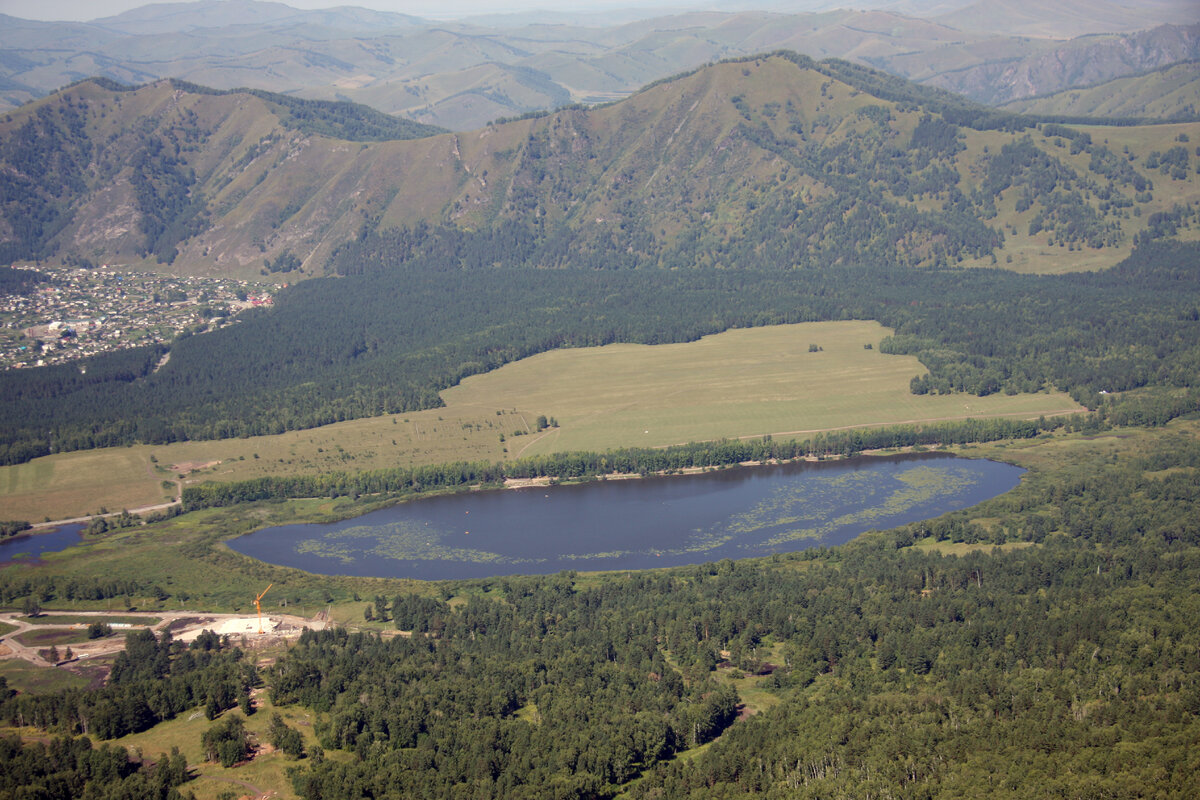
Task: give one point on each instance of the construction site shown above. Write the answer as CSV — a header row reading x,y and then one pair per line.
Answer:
x,y
68,639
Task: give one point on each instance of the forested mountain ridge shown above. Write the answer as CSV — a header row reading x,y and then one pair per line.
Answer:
x,y
104,173
773,161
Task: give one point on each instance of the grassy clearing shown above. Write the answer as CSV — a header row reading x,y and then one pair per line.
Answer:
x,y
739,383
266,771
948,548
68,485
25,677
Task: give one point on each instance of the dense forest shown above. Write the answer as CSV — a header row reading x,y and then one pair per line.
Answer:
x,y
1064,664
71,768
429,314
19,281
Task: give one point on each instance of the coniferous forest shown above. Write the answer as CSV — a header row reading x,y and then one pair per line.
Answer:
x,y
387,342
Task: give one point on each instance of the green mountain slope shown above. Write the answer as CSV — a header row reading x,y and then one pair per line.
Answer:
x,y
100,172
770,162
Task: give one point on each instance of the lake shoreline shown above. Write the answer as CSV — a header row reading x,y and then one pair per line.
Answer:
x,y
549,480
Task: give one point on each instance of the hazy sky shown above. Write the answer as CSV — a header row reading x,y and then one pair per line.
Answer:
x,y
94,9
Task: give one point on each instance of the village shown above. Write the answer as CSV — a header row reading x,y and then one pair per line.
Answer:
x,y
78,313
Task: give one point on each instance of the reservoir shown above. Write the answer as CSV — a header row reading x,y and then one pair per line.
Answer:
x,y
636,524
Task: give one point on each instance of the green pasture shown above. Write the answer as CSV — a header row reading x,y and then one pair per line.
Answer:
x,y
68,485
741,383
26,677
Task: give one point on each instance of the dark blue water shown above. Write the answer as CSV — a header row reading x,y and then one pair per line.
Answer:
x,y
636,524
31,545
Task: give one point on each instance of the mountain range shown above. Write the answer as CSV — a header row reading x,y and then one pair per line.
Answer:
x,y
843,162
463,74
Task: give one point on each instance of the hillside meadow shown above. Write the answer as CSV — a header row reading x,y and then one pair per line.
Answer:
x,y
741,383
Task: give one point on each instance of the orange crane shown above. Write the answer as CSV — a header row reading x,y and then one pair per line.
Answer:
x,y
258,605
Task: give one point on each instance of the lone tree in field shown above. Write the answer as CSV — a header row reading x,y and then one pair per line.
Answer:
x,y
226,741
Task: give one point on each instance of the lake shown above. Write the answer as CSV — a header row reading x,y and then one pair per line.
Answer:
x,y
31,545
636,524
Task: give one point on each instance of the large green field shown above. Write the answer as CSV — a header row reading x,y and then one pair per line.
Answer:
x,y
747,382
741,383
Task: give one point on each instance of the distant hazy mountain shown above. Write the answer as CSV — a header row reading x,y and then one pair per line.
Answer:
x,y
1062,19
465,73
1170,92
1084,61
160,18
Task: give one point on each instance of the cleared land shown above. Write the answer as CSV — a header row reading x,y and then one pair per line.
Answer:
x,y
740,383
263,776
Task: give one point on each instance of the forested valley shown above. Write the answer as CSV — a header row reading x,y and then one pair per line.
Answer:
x,y
387,342
826,191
